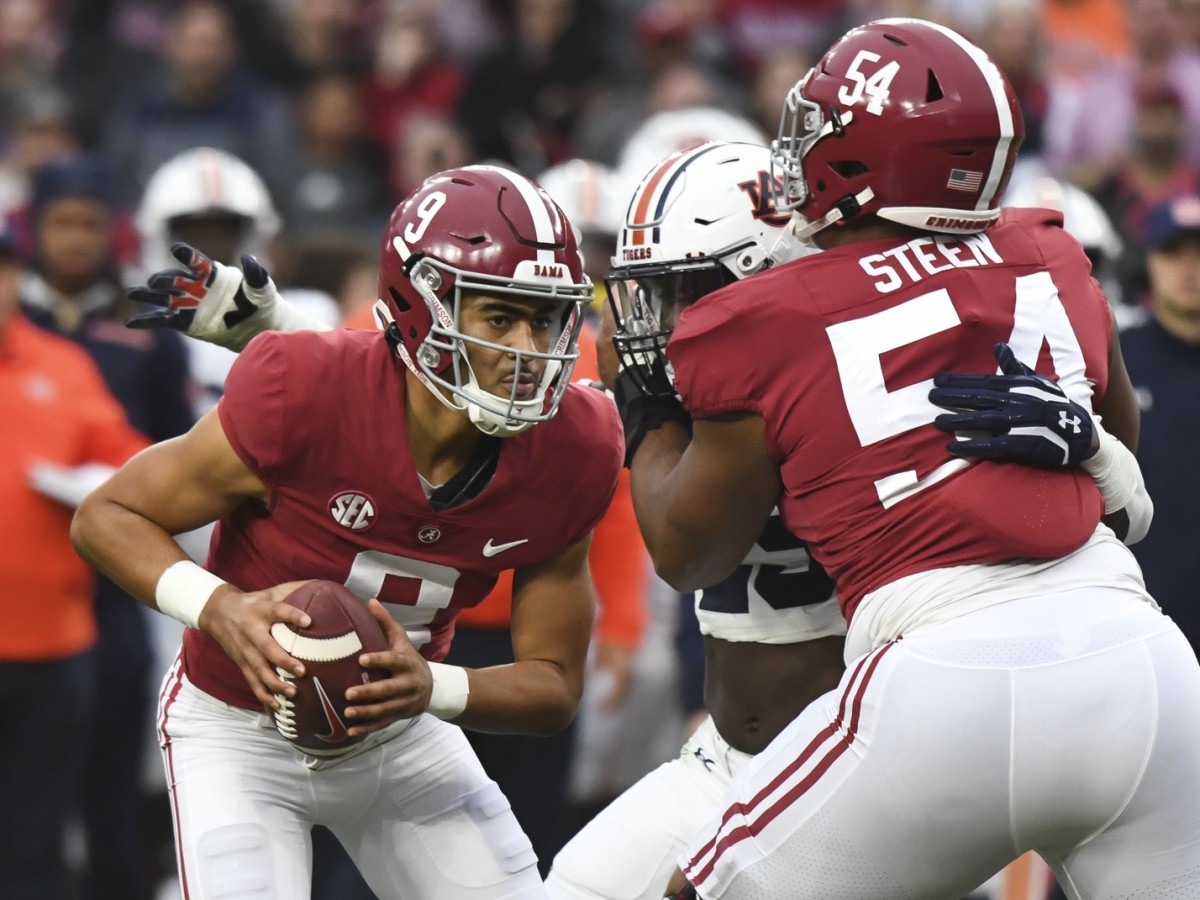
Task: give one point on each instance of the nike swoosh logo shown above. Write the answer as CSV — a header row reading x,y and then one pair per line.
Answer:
x,y
337,729
490,549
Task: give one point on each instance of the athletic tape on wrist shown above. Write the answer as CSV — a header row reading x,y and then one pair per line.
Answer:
x,y
1115,471
183,589
450,690
283,316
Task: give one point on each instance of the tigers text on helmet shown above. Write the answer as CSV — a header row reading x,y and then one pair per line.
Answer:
x,y
481,230
700,219
904,119
202,182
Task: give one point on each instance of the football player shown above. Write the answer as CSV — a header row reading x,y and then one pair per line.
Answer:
x,y
412,464
213,201
989,609
701,219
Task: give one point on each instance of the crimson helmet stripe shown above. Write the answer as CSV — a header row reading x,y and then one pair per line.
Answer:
x,y
995,82
545,228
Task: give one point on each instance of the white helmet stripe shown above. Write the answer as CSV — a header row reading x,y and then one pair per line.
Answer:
x,y
995,83
539,211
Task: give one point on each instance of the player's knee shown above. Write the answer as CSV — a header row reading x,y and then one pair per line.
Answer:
x,y
233,862
493,814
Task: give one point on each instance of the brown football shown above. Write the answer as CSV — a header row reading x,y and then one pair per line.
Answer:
x,y
342,629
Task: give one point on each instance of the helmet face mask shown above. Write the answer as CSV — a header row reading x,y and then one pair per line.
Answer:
x,y
701,219
482,230
648,300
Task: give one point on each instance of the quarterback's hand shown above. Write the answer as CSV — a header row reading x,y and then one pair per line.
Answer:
x,y
402,695
209,300
241,624
1017,416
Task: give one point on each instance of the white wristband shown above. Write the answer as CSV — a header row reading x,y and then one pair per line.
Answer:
x,y
183,589
1119,477
450,690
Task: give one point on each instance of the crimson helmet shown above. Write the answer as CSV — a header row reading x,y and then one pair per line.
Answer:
x,y
904,119
488,230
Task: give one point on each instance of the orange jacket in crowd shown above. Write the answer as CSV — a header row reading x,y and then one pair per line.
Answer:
x,y
618,559
55,408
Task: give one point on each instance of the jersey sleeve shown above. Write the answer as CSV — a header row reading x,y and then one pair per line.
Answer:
x,y
592,485
731,349
254,408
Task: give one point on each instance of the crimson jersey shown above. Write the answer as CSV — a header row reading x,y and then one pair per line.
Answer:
x,y
837,352
320,418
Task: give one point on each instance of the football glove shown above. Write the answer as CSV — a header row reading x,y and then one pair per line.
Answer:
x,y
1016,416
646,399
216,303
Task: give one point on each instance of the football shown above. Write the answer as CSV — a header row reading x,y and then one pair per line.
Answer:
x,y
342,629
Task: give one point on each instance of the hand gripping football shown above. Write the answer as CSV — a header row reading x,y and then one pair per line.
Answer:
x,y
342,629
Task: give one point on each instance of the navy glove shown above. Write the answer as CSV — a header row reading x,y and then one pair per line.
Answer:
x,y
646,400
206,299
1017,416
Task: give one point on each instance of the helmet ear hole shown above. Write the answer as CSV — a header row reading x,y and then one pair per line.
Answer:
x,y
848,168
934,90
398,298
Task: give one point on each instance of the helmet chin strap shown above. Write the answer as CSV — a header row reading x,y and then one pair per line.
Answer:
x,y
844,209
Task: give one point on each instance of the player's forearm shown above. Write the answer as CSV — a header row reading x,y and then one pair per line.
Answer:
x,y
126,547
527,697
674,524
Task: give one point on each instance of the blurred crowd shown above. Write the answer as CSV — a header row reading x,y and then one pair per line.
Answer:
x,y
290,128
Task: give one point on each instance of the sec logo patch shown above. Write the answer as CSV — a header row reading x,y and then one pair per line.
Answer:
x,y
353,510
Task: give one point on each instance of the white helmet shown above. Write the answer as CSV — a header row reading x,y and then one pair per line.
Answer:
x,y
669,132
592,195
699,220
198,182
1083,218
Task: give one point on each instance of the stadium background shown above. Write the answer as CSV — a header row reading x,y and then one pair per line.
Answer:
x,y
343,106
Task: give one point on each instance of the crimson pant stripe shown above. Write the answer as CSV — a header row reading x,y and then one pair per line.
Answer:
x,y
852,700
166,698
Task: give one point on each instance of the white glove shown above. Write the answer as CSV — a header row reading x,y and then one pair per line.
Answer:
x,y
68,484
217,303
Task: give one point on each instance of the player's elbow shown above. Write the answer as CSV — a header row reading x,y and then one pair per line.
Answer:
x,y
84,527
554,716
690,573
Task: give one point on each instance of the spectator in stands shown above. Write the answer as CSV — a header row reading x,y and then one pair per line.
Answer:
x,y
72,289
202,99
58,411
521,99
1155,169
1088,141
410,76
426,145
338,185
1162,355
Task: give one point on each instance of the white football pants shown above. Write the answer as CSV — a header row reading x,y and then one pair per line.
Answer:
x,y
1067,723
414,810
630,849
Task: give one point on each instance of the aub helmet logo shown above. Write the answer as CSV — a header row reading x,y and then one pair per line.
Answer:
x,y
353,510
762,193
